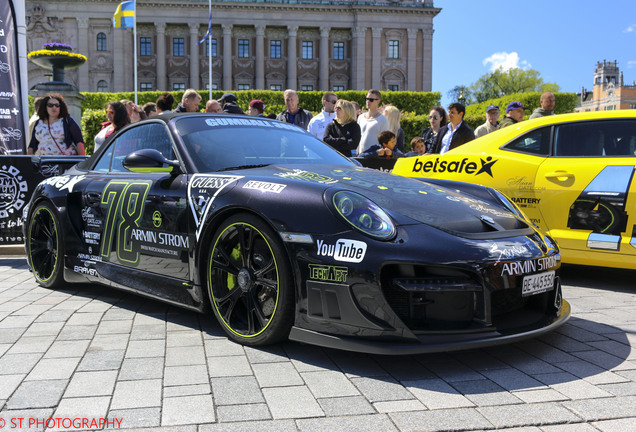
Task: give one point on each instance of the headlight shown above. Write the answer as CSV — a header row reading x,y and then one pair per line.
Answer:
x,y
364,215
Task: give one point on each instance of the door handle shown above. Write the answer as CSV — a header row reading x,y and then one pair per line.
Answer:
x,y
559,175
93,199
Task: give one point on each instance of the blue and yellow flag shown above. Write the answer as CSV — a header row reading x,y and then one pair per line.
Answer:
x,y
124,17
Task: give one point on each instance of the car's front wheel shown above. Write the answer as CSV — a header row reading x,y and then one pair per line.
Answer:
x,y
249,280
45,246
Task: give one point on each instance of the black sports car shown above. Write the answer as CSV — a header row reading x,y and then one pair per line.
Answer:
x,y
286,238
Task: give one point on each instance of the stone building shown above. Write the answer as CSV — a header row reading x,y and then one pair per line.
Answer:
x,y
255,44
609,91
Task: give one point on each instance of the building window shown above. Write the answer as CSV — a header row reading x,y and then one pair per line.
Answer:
x,y
214,86
610,107
101,42
178,86
243,86
178,47
102,86
307,88
393,87
145,46
338,50
394,49
632,106
308,50
275,49
338,88
145,86
207,47
276,87
243,48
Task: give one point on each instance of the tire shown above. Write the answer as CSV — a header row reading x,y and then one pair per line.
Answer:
x,y
45,246
249,282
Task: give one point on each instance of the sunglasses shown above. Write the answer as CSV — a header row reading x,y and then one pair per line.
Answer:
x,y
372,99
332,101
52,105
433,117
110,112
338,108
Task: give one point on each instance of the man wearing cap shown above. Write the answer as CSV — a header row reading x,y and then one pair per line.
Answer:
x,y
256,109
547,102
455,133
492,121
294,114
228,102
318,124
514,114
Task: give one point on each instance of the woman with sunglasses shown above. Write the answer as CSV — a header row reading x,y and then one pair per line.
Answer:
x,y
343,133
117,118
437,119
55,133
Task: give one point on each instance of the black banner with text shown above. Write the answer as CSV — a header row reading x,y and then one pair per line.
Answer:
x,y
12,127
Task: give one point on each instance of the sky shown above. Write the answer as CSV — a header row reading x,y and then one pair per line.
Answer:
x,y
562,39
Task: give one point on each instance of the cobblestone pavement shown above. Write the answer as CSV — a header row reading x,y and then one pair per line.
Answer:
x,y
93,352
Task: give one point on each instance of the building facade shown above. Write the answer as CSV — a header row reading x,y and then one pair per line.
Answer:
x,y
609,91
258,44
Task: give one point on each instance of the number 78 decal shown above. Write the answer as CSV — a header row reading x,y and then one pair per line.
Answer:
x,y
601,207
124,206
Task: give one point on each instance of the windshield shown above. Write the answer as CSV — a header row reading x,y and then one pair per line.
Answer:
x,y
216,143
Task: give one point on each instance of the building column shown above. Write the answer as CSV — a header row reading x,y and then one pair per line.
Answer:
x,y
357,68
427,65
410,60
195,80
160,29
292,81
324,59
376,59
227,57
120,60
260,57
82,48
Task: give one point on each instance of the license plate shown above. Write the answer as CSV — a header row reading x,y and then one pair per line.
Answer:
x,y
537,283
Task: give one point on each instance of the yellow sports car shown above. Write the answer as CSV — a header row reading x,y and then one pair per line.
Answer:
x,y
572,174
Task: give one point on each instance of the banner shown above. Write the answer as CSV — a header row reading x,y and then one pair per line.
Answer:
x,y
19,175
13,133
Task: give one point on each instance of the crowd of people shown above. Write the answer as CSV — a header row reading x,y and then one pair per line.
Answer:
x,y
371,133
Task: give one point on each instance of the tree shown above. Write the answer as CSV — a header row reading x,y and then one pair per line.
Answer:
x,y
503,82
460,90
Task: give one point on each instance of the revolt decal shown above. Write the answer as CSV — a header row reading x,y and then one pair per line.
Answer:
x,y
264,186
455,166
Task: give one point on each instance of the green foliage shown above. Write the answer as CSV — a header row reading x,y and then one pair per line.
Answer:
x,y
507,82
92,120
476,114
461,91
413,124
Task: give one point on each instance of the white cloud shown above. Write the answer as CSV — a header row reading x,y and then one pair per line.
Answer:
x,y
506,61
631,64
630,29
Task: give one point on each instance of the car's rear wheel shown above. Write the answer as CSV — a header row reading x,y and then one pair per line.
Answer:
x,y
45,246
249,281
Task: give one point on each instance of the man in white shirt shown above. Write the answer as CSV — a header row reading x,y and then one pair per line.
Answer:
x,y
318,124
371,122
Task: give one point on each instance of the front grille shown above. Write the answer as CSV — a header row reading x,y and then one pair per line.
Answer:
x,y
431,299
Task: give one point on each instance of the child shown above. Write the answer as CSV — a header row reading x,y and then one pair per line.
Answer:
x,y
418,147
386,148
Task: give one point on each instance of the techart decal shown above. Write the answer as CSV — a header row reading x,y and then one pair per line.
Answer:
x,y
299,174
327,273
202,190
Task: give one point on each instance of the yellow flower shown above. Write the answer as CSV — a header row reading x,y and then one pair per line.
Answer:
x,y
41,53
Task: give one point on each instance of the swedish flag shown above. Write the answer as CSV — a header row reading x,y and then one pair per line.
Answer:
x,y
124,17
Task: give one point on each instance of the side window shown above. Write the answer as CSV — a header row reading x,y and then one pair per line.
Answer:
x,y
535,142
145,136
597,138
103,164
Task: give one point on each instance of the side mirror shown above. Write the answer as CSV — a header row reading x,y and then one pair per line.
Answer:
x,y
150,161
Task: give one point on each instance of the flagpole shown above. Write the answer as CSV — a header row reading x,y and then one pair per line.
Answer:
x,y
135,46
210,51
